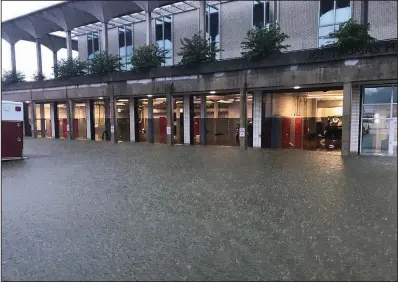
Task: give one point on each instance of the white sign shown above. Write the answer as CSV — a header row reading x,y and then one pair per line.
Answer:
x,y
242,132
67,127
112,129
168,129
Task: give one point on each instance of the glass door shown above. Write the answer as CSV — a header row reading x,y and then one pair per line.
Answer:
x,y
392,148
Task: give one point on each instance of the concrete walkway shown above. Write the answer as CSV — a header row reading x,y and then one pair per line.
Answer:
x,y
83,210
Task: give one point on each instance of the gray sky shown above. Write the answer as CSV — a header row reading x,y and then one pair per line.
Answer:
x,y
26,51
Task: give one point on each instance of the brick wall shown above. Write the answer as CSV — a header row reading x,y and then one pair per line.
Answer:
x,y
383,19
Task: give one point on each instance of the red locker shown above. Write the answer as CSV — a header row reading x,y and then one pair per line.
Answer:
x,y
298,132
162,130
76,127
286,132
63,124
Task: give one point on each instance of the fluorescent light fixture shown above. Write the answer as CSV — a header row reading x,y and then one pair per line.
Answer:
x,y
297,87
226,101
212,92
27,102
120,104
123,100
149,95
101,98
181,110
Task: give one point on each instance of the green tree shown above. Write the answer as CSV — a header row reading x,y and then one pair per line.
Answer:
x,y
104,63
351,35
147,57
38,77
197,50
69,68
262,41
10,77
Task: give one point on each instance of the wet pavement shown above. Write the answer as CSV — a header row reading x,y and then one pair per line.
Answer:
x,y
83,210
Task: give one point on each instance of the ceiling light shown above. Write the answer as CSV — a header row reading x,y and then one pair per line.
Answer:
x,y
212,92
149,95
101,98
27,102
297,87
123,100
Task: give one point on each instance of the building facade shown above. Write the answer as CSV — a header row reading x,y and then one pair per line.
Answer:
x,y
306,98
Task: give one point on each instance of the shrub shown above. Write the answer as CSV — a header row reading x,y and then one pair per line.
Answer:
x,y
69,68
38,77
104,63
10,77
147,57
351,35
262,41
197,50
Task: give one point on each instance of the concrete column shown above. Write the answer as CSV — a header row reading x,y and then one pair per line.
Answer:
x,y
202,17
69,44
345,137
104,37
203,111
150,136
42,121
148,21
113,119
170,120
107,108
132,114
364,11
52,115
257,118
13,60
243,118
70,113
188,118
55,60
215,117
55,129
88,120
33,114
38,58
26,124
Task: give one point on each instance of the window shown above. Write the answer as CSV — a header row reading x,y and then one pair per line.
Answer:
x,y
125,47
212,21
260,13
163,37
332,13
92,44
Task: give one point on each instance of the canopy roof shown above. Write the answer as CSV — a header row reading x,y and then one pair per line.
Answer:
x,y
81,17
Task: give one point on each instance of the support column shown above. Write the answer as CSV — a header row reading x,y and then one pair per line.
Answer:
x,y
169,118
188,120
113,119
203,120
56,121
243,118
38,58
364,11
33,114
257,118
132,113
70,116
42,121
148,21
150,136
202,17
69,44
52,116
104,37
345,136
26,124
55,60
88,120
13,60
107,108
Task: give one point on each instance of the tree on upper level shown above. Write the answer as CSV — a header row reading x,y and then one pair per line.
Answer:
x,y
70,68
197,50
104,63
9,77
262,41
147,57
38,77
351,35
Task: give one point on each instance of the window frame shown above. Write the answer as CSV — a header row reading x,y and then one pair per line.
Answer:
x,y
334,19
92,44
161,18
207,12
264,12
125,58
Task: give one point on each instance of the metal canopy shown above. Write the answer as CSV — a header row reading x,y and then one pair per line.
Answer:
x,y
81,17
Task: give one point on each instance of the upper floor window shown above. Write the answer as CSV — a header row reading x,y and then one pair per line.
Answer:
x,y
260,13
332,14
163,37
92,44
125,46
213,26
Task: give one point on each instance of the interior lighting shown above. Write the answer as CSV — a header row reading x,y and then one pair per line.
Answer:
x,y
149,95
296,87
377,115
212,92
101,98
123,100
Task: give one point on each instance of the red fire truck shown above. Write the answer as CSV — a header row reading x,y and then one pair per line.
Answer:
x,y
11,130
